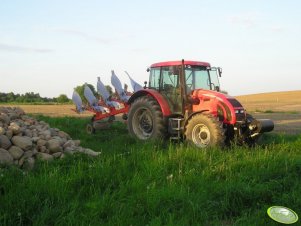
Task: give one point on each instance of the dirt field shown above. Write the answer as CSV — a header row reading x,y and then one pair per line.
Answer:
x,y
286,108
51,110
285,105
284,122
278,101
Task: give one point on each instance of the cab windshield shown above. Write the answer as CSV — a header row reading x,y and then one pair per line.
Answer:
x,y
198,77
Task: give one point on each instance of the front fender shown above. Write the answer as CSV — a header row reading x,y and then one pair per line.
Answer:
x,y
192,114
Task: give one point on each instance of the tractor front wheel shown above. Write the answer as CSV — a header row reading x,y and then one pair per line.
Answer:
x,y
145,119
204,131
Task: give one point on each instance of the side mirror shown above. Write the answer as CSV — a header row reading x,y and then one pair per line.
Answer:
x,y
217,88
148,70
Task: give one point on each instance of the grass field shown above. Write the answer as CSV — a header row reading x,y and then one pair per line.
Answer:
x,y
137,183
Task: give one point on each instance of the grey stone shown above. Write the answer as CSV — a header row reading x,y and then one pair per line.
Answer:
x,y
46,133
3,110
62,134
23,142
29,163
69,143
28,154
35,139
21,161
71,148
41,142
69,152
4,142
42,149
4,118
13,116
59,139
19,111
15,152
57,154
5,157
15,128
9,134
34,151
54,145
54,132
76,142
89,152
44,156
2,131
28,133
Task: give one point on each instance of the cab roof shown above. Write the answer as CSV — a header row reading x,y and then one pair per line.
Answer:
x,y
175,63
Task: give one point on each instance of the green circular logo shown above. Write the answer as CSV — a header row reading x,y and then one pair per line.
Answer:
x,y
282,214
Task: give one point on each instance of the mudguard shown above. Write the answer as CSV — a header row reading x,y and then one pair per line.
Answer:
x,y
156,95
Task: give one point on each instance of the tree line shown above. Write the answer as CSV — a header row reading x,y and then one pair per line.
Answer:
x,y
31,97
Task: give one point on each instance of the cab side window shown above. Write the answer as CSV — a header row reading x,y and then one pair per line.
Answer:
x,y
170,78
154,82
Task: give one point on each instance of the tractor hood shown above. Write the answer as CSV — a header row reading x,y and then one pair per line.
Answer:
x,y
218,104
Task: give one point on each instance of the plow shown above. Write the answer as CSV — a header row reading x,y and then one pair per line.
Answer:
x,y
182,100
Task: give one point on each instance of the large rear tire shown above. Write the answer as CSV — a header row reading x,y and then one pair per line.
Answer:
x,y
205,131
145,119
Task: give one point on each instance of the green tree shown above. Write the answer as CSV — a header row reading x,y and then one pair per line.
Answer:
x,y
110,90
62,99
80,91
10,97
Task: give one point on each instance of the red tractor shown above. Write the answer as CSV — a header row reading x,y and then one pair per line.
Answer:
x,y
183,101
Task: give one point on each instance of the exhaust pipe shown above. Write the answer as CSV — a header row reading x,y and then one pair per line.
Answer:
x,y
261,125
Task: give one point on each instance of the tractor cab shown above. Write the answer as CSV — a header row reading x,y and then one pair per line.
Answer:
x,y
176,80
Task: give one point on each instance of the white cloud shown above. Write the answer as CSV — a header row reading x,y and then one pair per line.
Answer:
x,y
277,28
83,35
14,48
247,20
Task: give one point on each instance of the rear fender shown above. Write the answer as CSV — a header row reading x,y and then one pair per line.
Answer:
x,y
156,95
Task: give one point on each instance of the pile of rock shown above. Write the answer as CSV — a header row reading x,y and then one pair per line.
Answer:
x,y
24,139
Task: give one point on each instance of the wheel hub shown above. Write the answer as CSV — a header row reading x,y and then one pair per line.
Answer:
x,y
144,123
201,135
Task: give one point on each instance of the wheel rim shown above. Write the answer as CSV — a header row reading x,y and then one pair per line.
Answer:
x,y
89,129
201,135
143,123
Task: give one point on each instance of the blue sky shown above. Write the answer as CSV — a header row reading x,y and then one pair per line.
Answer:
x,y
49,47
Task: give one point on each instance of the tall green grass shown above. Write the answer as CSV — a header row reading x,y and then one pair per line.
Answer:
x,y
142,183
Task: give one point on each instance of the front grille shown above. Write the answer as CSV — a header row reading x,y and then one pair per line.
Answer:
x,y
240,117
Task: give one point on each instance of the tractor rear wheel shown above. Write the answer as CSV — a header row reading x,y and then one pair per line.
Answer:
x,y
145,119
205,131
